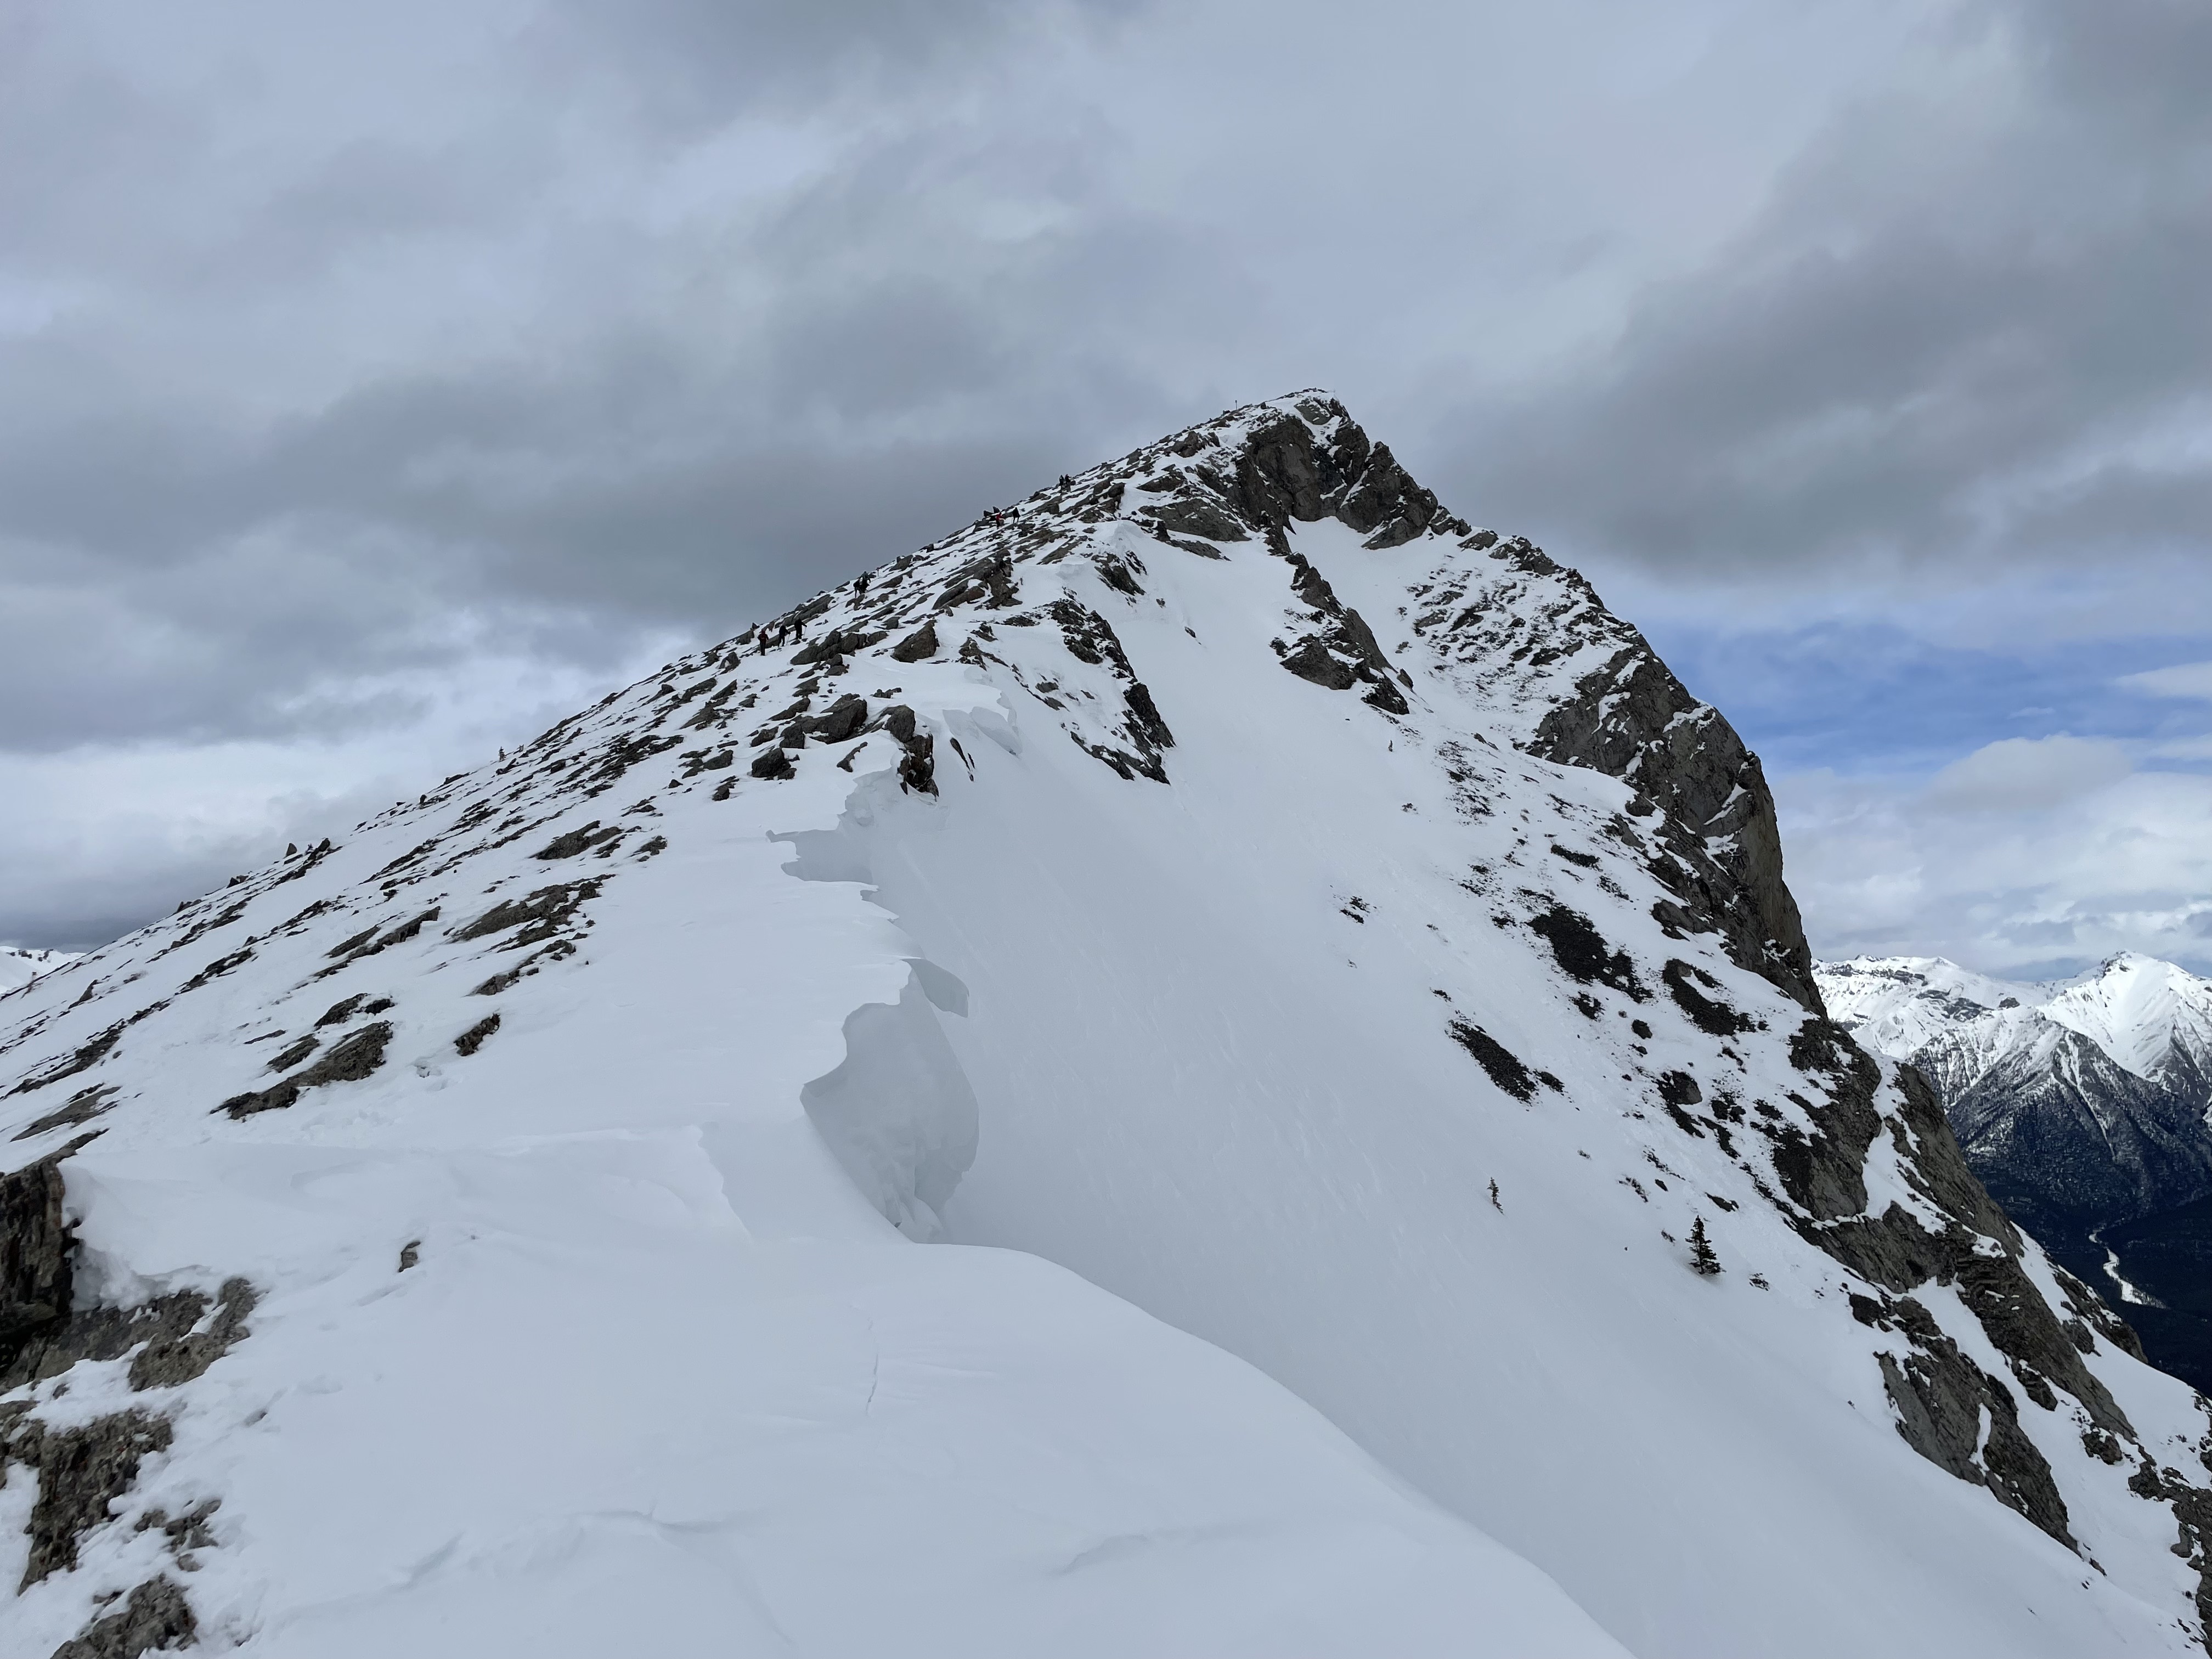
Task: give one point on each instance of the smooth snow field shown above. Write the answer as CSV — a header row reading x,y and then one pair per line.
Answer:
x,y
1205,1088
663,1382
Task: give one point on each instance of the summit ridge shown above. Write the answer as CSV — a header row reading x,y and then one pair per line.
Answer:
x,y
1219,1060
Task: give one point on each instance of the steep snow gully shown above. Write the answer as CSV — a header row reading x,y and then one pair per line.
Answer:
x,y
1142,1079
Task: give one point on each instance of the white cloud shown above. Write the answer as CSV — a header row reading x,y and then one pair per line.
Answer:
x,y
2026,773
2065,857
103,836
2188,679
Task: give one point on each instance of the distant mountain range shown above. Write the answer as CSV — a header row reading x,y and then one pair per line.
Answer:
x,y
2082,1104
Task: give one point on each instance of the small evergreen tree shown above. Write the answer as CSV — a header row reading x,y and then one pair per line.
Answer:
x,y
1703,1260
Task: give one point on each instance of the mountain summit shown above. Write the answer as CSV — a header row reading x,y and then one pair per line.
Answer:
x,y
1218,1062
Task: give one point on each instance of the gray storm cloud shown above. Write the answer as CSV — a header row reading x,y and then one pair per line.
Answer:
x,y
370,380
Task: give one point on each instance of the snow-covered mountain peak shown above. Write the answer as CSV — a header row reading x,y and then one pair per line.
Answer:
x,y
1224,885
1897,1006
2145,1013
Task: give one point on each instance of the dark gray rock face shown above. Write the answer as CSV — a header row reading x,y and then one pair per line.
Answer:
x,y
917,768
80,1107
155,1617
1596,694
1340,652
1199,518
842,722
538,916
1090,638
917,647
34,1255
1584,954
81,1472
1634,721
84,1469
44,1330
86,1056
2072,1139
349,1061
582,839
1499,1063
473,1039
176,1350
1940,1397
1936,1389
1283,474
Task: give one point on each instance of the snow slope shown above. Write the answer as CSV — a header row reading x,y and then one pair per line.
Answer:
x,y
19,967
1227,879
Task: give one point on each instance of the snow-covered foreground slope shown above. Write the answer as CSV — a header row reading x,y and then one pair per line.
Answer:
x,y
625,1201
582,1343
19,967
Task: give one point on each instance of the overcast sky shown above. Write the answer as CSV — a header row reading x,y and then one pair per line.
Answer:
x,y
377,384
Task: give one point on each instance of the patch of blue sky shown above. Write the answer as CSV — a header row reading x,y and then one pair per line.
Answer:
x,y
1864,698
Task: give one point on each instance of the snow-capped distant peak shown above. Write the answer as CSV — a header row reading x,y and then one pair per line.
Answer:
x,y
2142,1013
1899,1004
2079,1103
19,967
2140,1010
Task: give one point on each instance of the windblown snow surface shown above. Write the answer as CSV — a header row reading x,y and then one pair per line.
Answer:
x,y
1141,1080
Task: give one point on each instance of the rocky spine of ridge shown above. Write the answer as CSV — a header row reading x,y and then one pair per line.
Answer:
x,y
1600,698
1621,711
1580,686
1855,1157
